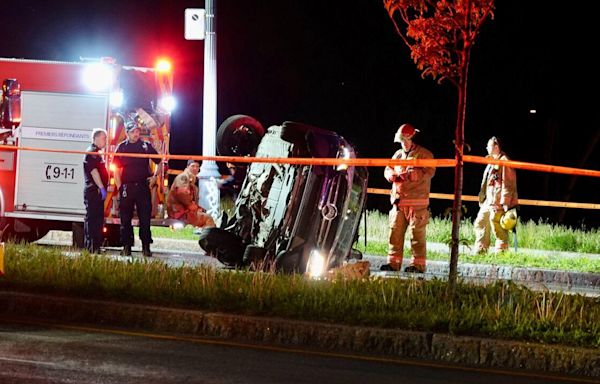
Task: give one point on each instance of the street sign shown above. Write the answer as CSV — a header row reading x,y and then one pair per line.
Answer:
x,y
195,24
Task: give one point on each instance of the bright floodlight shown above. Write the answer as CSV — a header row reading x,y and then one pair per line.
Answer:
x,y
116,98
163,65
167,104
97,77
533,111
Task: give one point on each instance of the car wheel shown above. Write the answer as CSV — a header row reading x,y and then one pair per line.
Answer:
x,y
223,245
239,135
291,261
254,257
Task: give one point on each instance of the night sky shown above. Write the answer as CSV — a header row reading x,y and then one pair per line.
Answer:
x,y
341,66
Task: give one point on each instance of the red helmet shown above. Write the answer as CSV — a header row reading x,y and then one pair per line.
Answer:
x,y
406,130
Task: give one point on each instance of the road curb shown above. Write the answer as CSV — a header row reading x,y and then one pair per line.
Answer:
x,y
490,272
393,343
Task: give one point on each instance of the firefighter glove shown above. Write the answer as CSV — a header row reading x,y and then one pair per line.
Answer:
x,y
401,177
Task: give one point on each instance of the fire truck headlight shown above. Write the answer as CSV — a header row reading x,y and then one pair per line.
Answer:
x,y
97,77
167,104
116,99
316,264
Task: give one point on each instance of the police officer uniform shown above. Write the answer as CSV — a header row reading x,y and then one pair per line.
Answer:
x,y
135,191
93,199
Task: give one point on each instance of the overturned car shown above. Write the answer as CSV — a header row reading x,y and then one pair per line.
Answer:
x,y
295,218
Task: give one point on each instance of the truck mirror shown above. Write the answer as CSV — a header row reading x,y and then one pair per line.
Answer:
x,y
10,106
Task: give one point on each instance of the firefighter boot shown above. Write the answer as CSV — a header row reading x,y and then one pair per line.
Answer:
x,y
146,250
126,250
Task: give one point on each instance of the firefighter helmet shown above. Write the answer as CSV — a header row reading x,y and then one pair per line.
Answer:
x,y
406,130
508,220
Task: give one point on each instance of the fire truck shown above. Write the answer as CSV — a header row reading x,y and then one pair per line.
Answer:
x,y
48,111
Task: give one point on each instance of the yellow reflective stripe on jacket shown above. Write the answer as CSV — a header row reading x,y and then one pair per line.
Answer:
x,y
413,202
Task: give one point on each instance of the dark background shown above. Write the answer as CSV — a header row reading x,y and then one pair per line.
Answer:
x,y
341,66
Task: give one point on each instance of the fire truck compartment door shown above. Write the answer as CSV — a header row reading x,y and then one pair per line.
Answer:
x,y
53,181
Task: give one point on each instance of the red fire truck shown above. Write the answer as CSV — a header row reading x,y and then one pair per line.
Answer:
x,y
56,105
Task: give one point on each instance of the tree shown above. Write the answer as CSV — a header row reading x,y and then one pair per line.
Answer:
x,y
440,35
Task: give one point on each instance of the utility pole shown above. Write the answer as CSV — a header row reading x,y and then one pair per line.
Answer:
x,y
209,197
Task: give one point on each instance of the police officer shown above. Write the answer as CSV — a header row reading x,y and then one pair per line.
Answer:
x,y
94,193
134,181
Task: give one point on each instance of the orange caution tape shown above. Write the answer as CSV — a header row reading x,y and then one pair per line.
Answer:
x,y
539,203
533,166
332,161
368,163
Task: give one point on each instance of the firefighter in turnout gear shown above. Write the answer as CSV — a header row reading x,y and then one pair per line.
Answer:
x,y
134,181
94,193
181,204
498,194
410,202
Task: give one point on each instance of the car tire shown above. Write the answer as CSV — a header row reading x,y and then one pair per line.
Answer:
x,y
254,256
223,245
291,260
239,135
294,132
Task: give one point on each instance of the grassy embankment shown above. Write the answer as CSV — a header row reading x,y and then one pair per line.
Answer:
x,y
502,310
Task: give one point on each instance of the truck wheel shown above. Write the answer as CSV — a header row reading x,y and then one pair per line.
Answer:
x,y
18,232
239,135
78,235
223,245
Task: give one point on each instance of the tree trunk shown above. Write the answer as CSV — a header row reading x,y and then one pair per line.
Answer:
x,y
458,170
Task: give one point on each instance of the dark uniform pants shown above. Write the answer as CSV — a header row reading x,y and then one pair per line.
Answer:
x,y
138,195
94,218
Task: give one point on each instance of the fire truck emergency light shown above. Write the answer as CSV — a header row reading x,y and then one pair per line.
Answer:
x,y
163,65
97,77
167,104
116,98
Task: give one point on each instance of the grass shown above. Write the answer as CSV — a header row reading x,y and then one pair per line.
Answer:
x,y
540,235
532,235
502,310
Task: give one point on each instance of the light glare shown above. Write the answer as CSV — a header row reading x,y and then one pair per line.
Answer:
x,y
97,77
167,104
316,264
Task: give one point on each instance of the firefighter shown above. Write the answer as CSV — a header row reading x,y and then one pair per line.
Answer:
x,y
134,181
94,193
181,203
410,203
497,195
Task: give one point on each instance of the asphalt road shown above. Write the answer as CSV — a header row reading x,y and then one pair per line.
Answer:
x,y
41,353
